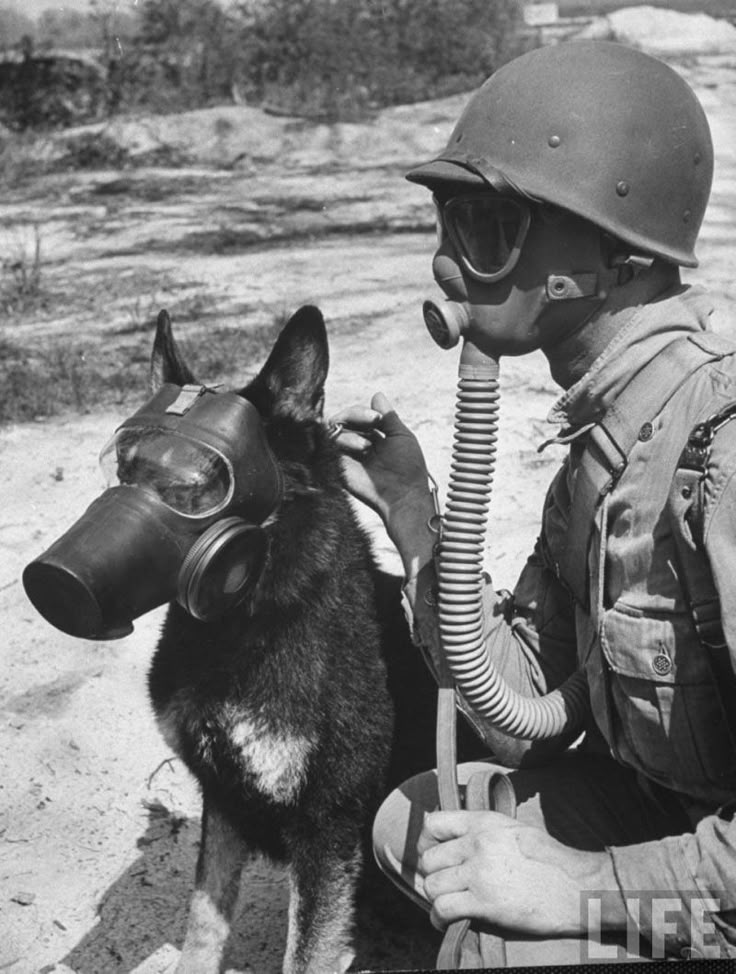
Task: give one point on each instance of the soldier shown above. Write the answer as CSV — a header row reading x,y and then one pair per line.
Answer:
x,y
570,193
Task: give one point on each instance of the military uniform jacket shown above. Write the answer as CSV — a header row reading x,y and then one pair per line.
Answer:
x,y
653,703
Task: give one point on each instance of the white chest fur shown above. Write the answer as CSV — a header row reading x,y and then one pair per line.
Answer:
x,y
277,760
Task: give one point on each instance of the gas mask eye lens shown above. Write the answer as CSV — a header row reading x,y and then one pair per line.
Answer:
x,y
189,476
488,232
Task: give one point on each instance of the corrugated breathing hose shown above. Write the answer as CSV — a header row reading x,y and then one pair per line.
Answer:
x,y
460,571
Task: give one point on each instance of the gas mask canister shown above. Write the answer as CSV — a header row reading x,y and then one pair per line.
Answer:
x,y
191,479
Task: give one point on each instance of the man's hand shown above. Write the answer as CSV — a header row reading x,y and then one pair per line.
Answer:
x,y
385,468
486,866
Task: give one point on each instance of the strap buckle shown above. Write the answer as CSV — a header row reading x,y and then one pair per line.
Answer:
x,y
436,522
185,400
697,449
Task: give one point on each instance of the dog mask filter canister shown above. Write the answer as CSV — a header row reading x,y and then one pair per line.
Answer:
x,y
191,479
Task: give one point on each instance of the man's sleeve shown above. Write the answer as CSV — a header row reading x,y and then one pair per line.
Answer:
x,y
680,891
531,636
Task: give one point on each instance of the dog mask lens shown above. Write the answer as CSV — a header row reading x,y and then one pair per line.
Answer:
x,y
487,232
189,476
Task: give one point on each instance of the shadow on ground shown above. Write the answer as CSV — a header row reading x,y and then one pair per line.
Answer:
x,y
145,910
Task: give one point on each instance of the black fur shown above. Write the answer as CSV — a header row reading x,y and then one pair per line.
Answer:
x,y
320,653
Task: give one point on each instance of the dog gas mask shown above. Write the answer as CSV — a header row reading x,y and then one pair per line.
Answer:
x,y
191,479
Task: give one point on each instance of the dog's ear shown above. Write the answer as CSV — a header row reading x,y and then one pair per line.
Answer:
x,y
167,362
292,381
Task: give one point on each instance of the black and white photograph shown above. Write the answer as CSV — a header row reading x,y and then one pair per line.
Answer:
x,y
368,485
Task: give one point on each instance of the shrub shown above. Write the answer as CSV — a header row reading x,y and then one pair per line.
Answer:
x,y
338,57
92,150
183,56
20,276
335,59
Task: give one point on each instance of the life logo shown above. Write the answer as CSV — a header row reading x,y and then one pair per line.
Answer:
x,y
659,924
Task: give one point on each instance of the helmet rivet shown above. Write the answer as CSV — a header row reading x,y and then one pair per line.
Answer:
x,y
622,187
553,141
686,216
696,158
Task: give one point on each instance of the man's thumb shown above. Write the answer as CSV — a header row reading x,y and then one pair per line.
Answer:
x,y
390,423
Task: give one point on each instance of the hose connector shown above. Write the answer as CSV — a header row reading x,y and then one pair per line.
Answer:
x,y
446,322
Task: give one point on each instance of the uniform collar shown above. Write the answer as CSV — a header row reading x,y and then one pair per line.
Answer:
x,y
643,328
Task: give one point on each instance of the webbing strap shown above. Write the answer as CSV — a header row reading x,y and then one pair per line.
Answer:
x,y
467,945
685,505
610,442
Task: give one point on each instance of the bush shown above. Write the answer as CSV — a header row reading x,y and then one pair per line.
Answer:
x,y
92,150
183,56
46,91
339,57
334,59
20,275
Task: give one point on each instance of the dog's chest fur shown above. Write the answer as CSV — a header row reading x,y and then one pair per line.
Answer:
x,y
271,760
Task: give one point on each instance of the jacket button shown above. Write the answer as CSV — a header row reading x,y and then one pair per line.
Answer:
x,y
661,664
646,432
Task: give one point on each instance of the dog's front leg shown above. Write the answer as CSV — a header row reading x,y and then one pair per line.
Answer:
x,y
222,854
321,908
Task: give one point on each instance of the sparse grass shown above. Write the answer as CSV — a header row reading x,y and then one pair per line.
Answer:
x,y
63,377
80,377
230,355
20,275
144,310
92,150
150,189
234,240
21,158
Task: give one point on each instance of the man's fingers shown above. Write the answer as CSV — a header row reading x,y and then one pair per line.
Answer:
x,y
444,855
440,826
450,880
379,417
390,423
452,906
381,404
353,443
356,417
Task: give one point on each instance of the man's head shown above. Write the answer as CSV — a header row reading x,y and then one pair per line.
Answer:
x,y
567,161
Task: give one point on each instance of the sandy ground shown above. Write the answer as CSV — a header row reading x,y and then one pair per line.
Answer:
x,y
98,826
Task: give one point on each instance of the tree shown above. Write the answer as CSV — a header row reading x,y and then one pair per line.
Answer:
x,y
337,57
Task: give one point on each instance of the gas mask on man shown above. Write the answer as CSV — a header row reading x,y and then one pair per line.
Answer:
x,y
525,151
191,481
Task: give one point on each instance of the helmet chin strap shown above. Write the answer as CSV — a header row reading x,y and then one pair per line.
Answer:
x,y
586,284
565,287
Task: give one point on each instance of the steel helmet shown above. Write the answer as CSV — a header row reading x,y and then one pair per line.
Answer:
x,y
597,128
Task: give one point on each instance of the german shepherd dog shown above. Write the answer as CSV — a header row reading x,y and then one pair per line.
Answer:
x,y
287,710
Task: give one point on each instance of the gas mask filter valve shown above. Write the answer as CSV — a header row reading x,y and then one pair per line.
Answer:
x,y
446,323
